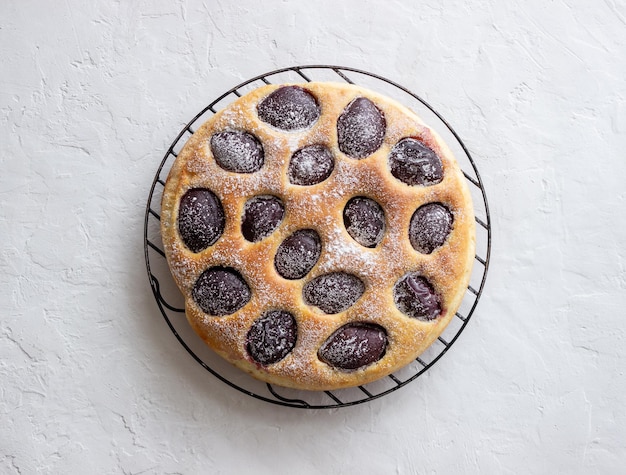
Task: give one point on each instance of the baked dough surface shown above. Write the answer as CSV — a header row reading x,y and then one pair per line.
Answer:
x,y
320,207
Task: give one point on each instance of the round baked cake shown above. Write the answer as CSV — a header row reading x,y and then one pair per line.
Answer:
x,y
321,234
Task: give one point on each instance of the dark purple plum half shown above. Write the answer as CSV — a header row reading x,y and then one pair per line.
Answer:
x,y
272,337
429,227
364,220
261,216
360,128
310,165
414,296
414,163
201,219
221,291
354,345
237,151
289,108
297,254
333,293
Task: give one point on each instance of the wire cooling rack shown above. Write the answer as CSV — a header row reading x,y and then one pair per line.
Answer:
x,y
171,303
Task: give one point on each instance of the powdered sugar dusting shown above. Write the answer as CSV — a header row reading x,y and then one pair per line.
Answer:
x,y
339,251
197,164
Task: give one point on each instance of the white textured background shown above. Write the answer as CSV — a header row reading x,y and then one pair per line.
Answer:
x,y
93,381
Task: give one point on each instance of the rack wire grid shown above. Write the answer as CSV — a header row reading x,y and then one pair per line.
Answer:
x,y
170,300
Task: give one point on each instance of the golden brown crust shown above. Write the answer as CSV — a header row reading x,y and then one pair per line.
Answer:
x,y
320,207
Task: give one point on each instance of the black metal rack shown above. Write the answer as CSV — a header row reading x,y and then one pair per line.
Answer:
x,y
170,301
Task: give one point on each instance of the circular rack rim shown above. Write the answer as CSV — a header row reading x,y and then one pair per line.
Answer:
x,y
279,399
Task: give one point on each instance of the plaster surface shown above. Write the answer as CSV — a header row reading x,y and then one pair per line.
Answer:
x,y
93,93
